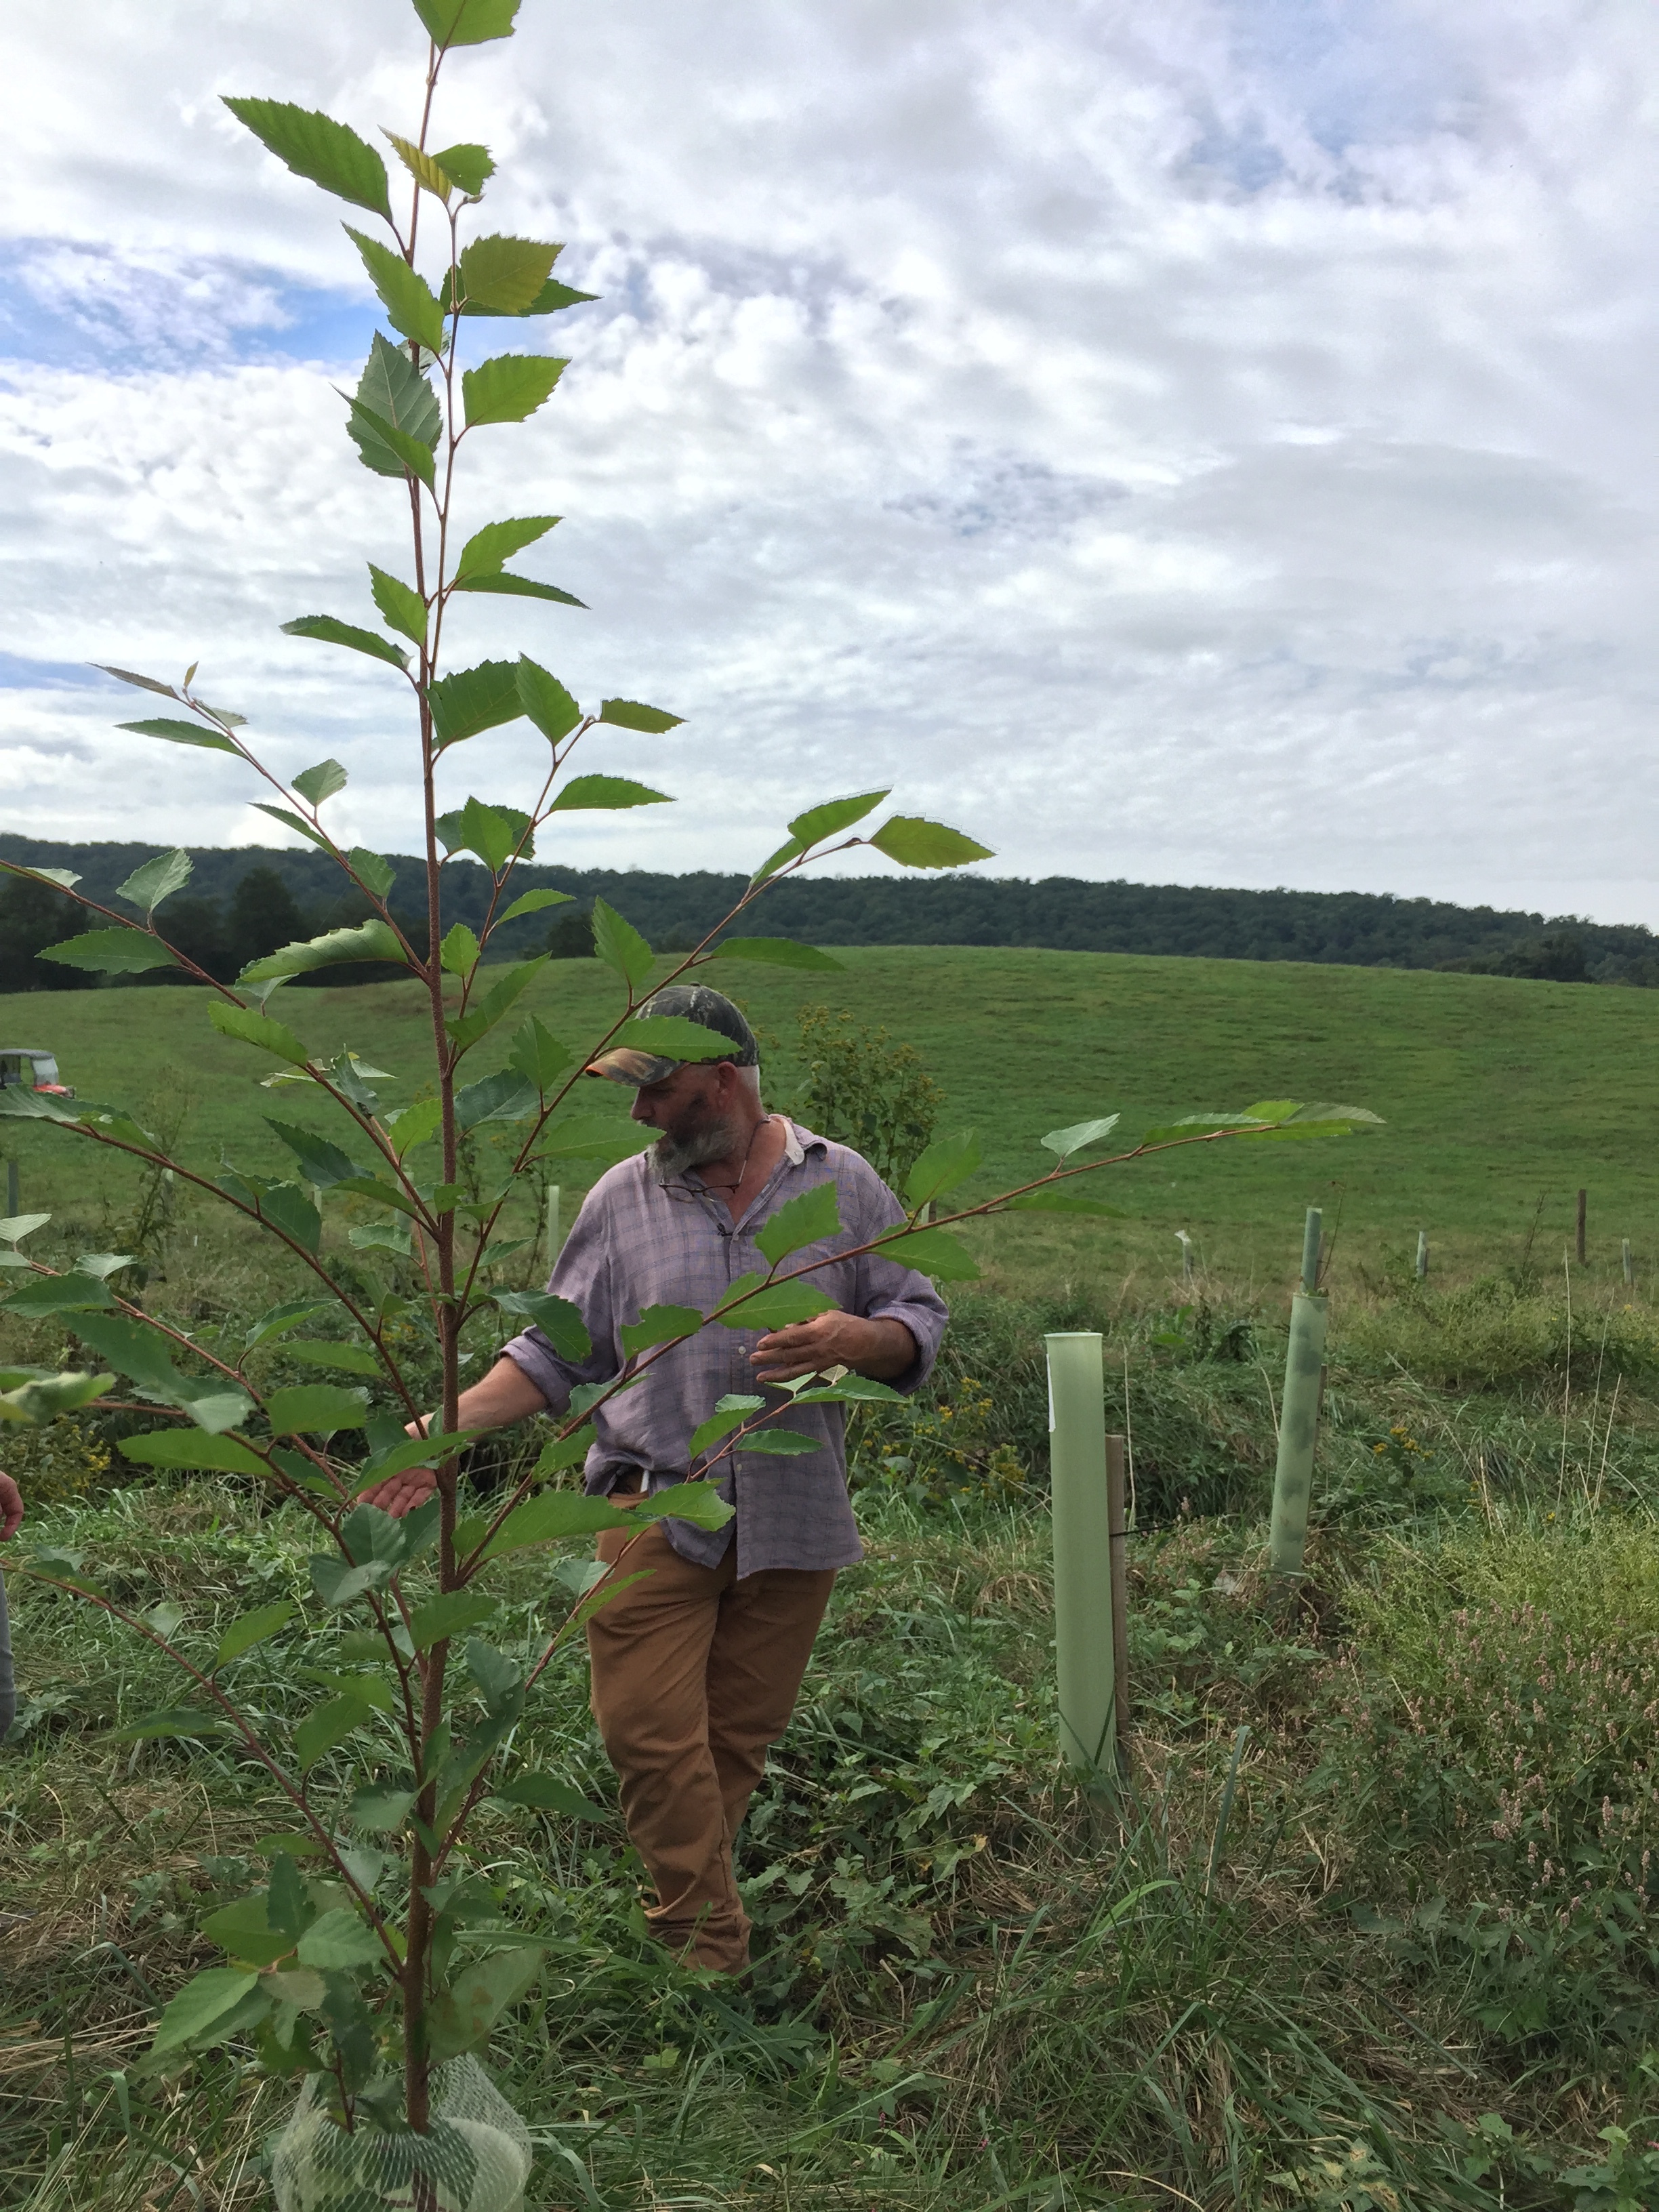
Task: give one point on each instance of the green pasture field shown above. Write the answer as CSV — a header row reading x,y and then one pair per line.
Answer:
x,y
1498,1095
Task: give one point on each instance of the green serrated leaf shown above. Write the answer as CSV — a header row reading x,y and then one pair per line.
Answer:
x,y
171,1721
146,887
494,834
594,792
559,1321
699,1503
471,166
380,1812
782,1444
321,782
376,875
776,1305
345,1358
932,1252
473,700
552,1516
192,1448
110,951
508,388
242,1022
373,941
339,1940
535,903
775,952
503,1097
466,22
253,1628
402,608
1078,1136
428,172
946,1163
818,823
730,1414
315,147
629,714
412,453
493,1007
316,1409
393,391
915,843
542,1794
461,2017
619,945
1061,1198
808,1219
546,701
504,274
318,1733
321,1161
405,293
520,587
202,2005
484,552
457,949
329,631
538,1056
659,1325
450,1614
183,733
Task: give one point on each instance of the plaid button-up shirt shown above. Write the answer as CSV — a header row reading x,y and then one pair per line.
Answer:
x,y
640,1243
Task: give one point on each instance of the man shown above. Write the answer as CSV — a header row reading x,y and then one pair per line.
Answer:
x,y
696,1670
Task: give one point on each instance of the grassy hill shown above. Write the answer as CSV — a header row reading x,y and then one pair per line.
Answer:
x,y
1497,1094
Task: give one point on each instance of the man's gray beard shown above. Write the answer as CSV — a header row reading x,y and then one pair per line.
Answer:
x,y
671,1155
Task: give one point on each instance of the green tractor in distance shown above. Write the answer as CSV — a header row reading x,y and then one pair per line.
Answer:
x,y
24,1069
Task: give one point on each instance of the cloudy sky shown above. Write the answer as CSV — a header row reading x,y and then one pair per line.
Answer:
x,y
1206,441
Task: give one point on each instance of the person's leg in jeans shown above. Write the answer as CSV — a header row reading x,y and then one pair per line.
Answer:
x,y
7,1682
658,1650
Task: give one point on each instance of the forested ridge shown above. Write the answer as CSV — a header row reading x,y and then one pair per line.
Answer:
x,y
243,901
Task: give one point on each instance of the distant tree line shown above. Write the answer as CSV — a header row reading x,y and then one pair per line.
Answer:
x,y
243,901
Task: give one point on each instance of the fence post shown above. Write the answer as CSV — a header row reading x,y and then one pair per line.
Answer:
x,y
1422,1255
552,1225
1630,1271
13,1203
1118,1536
1298,1413
1081,1546
1583,1196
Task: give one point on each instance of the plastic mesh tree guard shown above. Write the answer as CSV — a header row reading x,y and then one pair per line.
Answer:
x,y
474,2158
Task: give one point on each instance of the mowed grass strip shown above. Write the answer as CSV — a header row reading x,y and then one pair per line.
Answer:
x,y
1495,1093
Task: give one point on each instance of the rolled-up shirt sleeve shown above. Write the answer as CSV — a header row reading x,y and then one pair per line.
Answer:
x,y
885,1290
581,1274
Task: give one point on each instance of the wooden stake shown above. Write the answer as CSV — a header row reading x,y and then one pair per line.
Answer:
x,y
1583,1196
1118,1537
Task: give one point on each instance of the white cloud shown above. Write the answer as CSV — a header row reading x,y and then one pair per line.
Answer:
x,y
1210,443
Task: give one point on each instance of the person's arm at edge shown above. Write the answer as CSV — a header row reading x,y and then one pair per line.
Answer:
x,y
11,1508
503,1396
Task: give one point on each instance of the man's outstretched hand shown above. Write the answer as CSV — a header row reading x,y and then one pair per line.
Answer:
x,y
11,1508
401,1493
880,1349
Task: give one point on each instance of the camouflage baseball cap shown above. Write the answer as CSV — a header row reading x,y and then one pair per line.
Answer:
x,y
687,1002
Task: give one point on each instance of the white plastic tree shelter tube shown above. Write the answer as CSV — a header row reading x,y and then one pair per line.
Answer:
x,y
1083,1562
1298,1412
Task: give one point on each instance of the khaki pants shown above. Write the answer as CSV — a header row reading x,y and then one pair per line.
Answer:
x,y
694,1673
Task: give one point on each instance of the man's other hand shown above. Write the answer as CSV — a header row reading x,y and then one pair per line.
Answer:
x,y
880,1349
401,1493
11,1508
